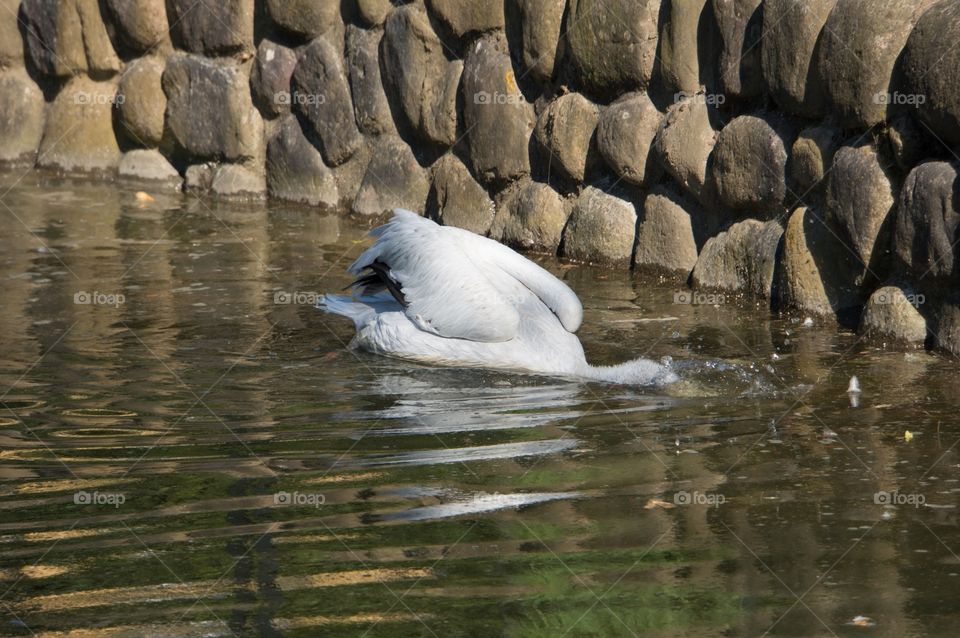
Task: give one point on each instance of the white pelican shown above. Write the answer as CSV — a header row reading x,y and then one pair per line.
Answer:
x,y
442,295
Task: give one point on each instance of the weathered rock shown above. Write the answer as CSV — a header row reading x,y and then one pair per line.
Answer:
x,y
224,27
497,117
741,260
565,130
932,70
21,117
374,12
740,27
750,163
817,271
306,18
79,128
540,25
928,222
791,31
812,156
148,165
457,199
684,145
680,37
613,43
891,314
393,179
209,110
948,327
463,17
235,180
531,217
860,202
862,41
910,141
601,229
665,239
141,102
349,175
65,37
321,96
295,169
142,24
199,177
11,43
369,100
625,135
270,78
418,76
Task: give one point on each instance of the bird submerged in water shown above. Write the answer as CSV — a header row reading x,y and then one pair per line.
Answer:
x,y
443,295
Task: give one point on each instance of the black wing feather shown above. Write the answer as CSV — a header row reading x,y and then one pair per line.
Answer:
x,y
380,278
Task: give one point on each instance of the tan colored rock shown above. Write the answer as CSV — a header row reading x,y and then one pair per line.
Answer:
x,y
565,130
892,314
457,199
464,17
66,37
11,43
78,135
684,145
665,239
419,79
817,276
141,102
541,22
531,217
681,32
393,179
601,229
498,120
142,24
22,115
791,31
625,135
613,43
741,260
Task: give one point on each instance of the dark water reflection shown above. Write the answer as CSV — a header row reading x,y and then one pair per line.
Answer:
x,y
251,476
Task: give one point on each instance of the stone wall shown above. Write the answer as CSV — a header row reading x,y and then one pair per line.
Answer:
x,y
793,152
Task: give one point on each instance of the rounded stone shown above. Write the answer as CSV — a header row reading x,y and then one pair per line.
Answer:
x,y
565,129
531,217
601,229
625,135
750,164
141,102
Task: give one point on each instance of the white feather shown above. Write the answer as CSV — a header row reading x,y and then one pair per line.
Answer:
x,y
472,301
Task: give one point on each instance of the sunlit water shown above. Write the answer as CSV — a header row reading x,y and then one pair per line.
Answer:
x,y
200,458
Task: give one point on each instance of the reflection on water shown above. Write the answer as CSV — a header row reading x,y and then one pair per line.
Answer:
x,y
187,448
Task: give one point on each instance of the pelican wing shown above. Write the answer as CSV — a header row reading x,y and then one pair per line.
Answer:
x,y
444,290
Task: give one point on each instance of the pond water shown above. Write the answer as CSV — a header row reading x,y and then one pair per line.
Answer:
x,y
188,448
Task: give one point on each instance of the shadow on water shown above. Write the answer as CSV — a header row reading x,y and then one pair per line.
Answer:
x,y
187,448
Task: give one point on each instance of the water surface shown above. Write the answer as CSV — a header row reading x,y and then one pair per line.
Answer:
x,y
188,448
